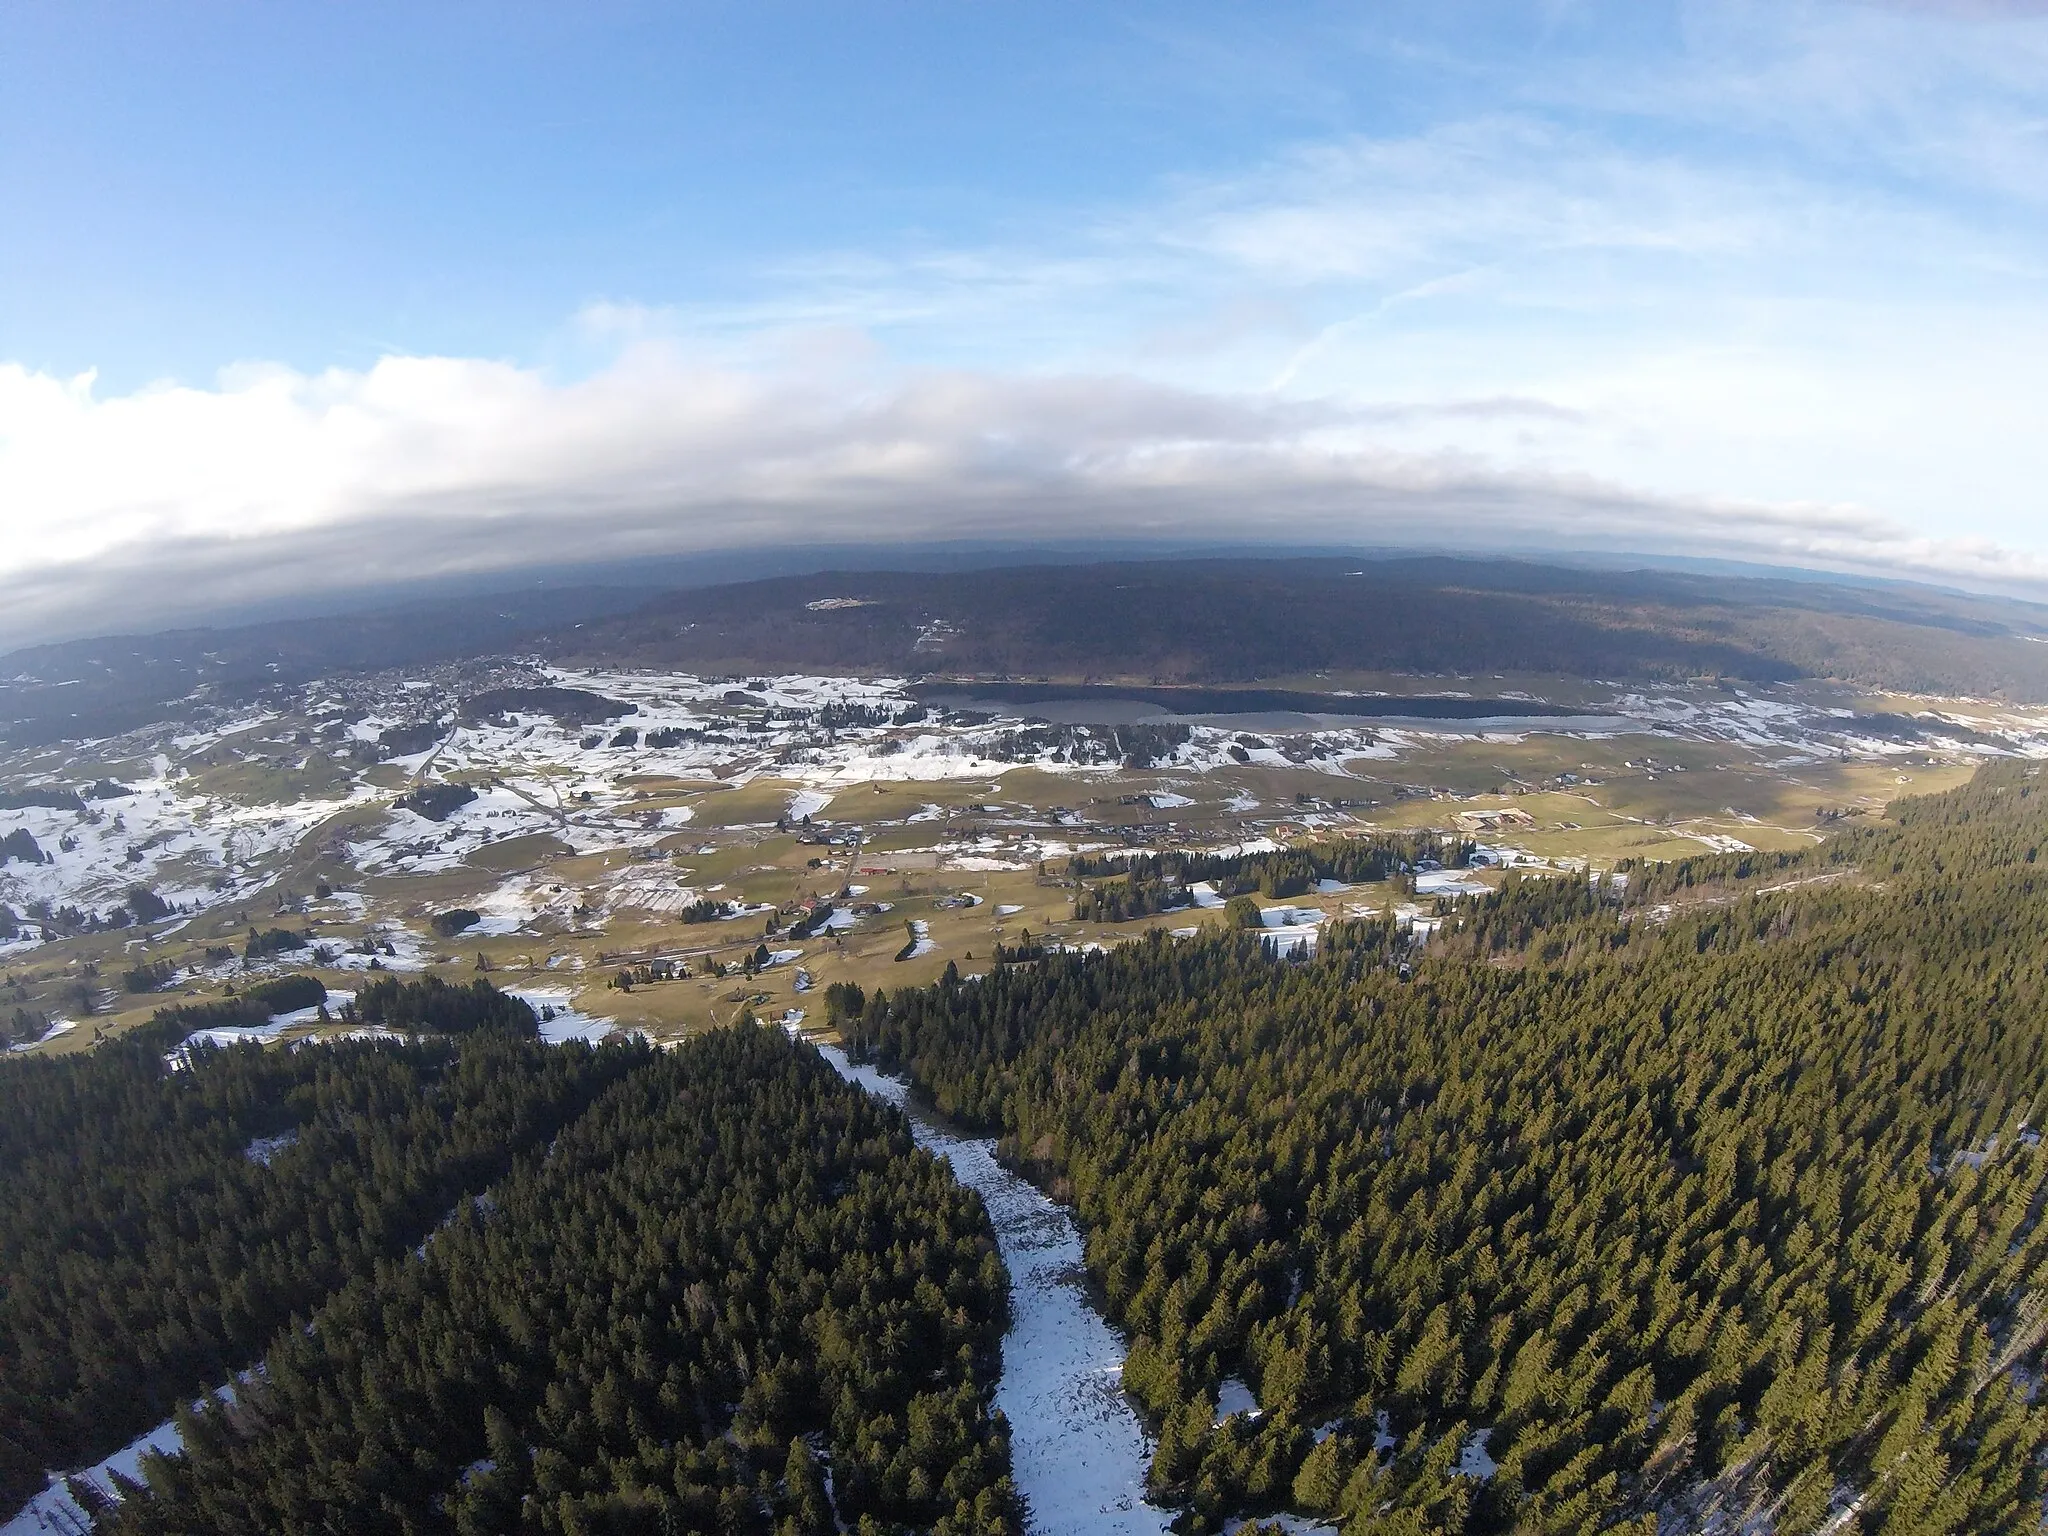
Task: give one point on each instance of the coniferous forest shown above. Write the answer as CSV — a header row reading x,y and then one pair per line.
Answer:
x,y
161,1220
1643,1204
487,1284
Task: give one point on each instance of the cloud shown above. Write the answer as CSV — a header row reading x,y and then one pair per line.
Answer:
x,y
135,509
1781,268
1968,10
1773,290
1471,192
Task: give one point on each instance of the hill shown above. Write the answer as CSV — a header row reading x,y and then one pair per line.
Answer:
x,y
1203,622
1212,622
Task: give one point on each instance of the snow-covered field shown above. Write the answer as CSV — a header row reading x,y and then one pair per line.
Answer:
x,y
178,830
808,802
192,849
1720,842
409,951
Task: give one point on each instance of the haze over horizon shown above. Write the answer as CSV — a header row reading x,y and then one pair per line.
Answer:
x,y
295,299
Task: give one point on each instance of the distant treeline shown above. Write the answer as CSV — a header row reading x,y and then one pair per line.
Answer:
x,y
1158,882
1142,745
52,796
87,689
567,706
405,740
433,1006
21,844
1183,700
1203,622
1236,621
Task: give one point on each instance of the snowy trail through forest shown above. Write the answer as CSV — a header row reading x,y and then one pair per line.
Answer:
x,y
1079,1451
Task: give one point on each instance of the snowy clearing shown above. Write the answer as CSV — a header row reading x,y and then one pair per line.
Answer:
x,y
560,1020
55,1511
264,1148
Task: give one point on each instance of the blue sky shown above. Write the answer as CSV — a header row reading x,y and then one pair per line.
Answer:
x,y
293,292
206,184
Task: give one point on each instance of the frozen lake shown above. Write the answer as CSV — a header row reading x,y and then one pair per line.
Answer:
x,y
1078,1449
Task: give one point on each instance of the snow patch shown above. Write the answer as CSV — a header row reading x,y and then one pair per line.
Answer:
x,y
1291,930
1473,1461
55,1511
1449,882
334,1002
1234,1397
264,1148
560,1019
57,1027
808,802
1721,844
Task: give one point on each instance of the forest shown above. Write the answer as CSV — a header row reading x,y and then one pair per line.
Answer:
x,y
731,1297
161,1219
1703,1189
689,1287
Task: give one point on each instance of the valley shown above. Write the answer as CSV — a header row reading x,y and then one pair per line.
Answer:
x,y
1269,1036
661,850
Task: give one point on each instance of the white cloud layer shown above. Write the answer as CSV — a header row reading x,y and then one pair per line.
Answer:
x,y
133,507
1775,294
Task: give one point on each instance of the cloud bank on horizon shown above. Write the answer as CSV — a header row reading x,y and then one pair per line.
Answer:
x,y
1760,283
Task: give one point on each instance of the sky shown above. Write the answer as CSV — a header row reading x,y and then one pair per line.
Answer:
x,y
299,296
